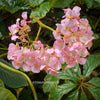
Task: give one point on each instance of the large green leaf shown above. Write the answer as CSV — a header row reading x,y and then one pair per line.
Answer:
x,y
73,96
52,2
50,82
10,78
60,90
10,3
41,11
89,3
20,6
92,62
62,3
5,94
1,83
35,2
13,5
95,92
83,96
95,81
71,74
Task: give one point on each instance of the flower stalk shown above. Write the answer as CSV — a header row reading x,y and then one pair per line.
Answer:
x,y
38,33
41,24
2,55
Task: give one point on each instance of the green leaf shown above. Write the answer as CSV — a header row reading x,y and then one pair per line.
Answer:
x,y
92,62
1,83
2,28
83,96
62,3
97,1
50,82
73,96
35,2
89,3
41,11
0,35
95,92
5,94
96,5
60,90
13,5
19,7
26,94
10,78
95,81
9,3
63,66
52,2
71,74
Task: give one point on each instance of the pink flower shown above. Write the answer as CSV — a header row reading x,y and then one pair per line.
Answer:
x,y
11,50
14,37
75,12
56,35
16,64
13,29
23,23
24,15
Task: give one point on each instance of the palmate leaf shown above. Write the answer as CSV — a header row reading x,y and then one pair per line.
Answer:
x,y
83,96
95,92
10,78
1,83
60,90
71,74
5,94
41,11
92,62
95,81
50,82
73,96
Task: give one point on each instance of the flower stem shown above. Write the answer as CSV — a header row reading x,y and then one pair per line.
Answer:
x,y
97,23
38,33
23,74
2,55
42,25
3,49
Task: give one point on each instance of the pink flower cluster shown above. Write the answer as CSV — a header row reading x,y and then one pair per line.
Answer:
x,y
34,60
19,29
73,39
76,36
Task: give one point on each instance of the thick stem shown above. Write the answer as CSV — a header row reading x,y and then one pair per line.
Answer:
x,y
23,74
43,25
38,33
